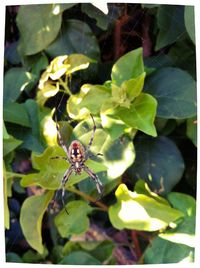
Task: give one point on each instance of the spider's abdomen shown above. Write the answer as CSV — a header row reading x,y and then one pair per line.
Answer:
x,y
76,152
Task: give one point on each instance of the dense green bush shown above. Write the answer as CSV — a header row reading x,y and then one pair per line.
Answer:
x,y
134,70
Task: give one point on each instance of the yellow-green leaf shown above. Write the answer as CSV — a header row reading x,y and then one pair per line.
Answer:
x,y
140,212
32,212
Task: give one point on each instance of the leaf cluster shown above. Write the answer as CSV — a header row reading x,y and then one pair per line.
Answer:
x,y
143,100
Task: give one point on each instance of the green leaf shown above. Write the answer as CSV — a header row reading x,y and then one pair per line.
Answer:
x,y
175,91
189,22
127,67
170,20
83,103
31,256
16,113
113,126
10,145
80,258
192,129
183,56
34,37
37,63
141,114
162,251
13,257
5,191
133,87
6,136
140,212
72,34
51,171
102,20
11,54
183,202
118,155
15,81
32,212
184,233
159,162
142,187
50,81
67,224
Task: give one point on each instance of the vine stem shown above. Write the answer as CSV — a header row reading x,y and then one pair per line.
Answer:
x,y
13,174
89,198
64,85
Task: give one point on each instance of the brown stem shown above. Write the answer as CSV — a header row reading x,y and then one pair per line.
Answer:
x,y
89,198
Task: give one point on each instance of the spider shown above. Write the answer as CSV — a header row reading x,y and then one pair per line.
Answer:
x,y
77,155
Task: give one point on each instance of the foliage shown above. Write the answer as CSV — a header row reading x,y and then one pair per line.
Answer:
x,y
73,60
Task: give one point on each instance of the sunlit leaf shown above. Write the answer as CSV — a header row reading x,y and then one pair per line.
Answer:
x,y
32,212
184,233
127,67
51,171
141,114
67,224
140,212
134,86
6,209
118,155
85,102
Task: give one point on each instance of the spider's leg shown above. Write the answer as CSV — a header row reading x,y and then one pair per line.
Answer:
x,y
62,185
92,137
61,142
99,184
59,157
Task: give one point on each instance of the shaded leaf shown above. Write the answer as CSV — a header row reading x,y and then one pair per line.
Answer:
x,y
10,144
15,81
31,256
159,162
140,212
192,129
32,212
163,251
169,17
175,91
16,113
189,22
76,222
34,37
13,257
93,12
80,258
72,34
